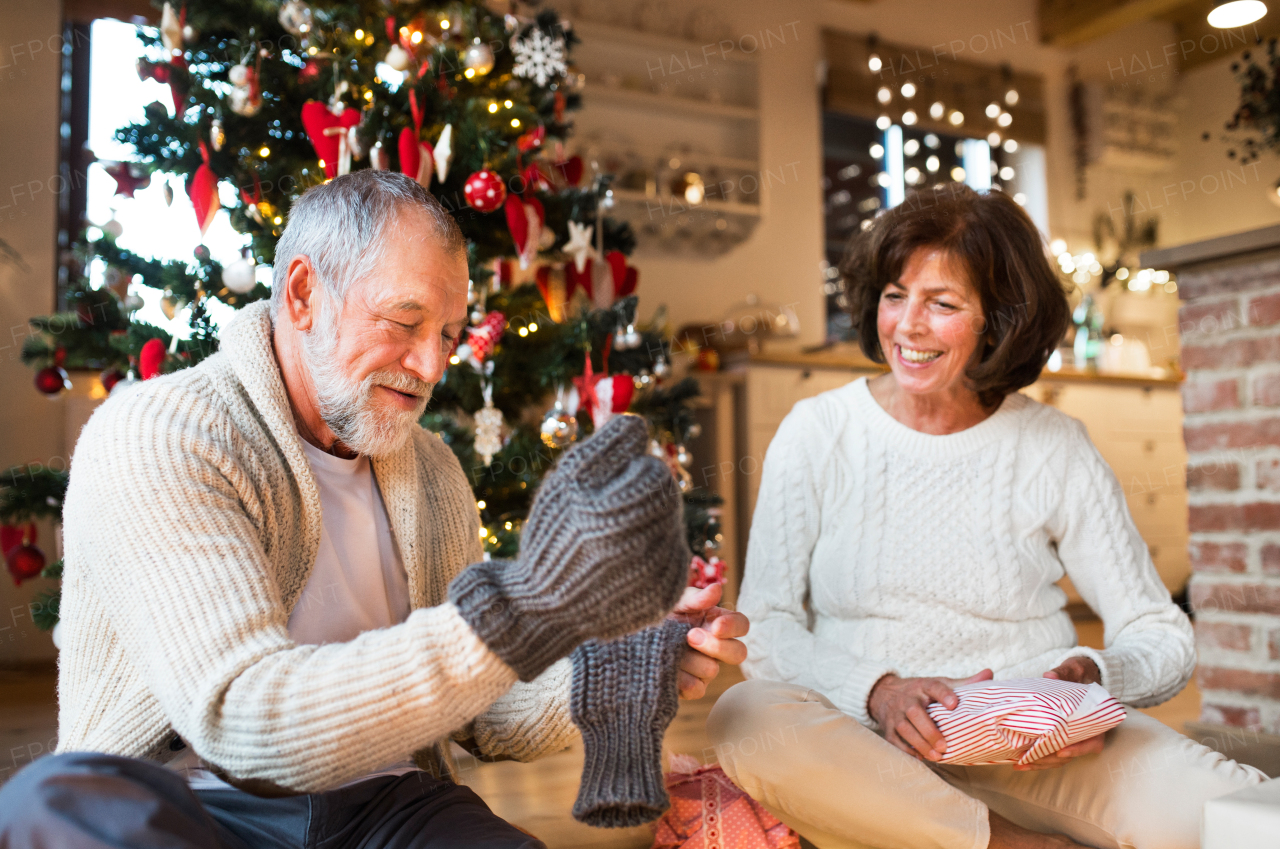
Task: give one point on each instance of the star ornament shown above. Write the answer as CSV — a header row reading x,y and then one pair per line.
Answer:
x,y
579,244
127,180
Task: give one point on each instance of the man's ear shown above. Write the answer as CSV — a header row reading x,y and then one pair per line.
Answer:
x,y
300,291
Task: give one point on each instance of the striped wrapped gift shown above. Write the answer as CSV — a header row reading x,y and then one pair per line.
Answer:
x,y
1022,720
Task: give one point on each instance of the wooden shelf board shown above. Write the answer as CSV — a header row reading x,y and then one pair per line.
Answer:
x,y
667,103
639,38
728,207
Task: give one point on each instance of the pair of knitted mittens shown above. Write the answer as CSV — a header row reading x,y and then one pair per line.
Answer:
x,y
602,554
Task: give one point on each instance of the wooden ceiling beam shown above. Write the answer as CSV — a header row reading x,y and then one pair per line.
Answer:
x,y
1066,23
87,11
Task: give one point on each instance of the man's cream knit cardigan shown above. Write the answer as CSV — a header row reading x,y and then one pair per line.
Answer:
x,y
191,525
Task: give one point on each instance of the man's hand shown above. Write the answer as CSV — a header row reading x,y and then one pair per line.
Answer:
x,y
712,638
1081,670
900,706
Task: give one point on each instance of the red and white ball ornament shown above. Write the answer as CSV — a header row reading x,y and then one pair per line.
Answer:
x,y
485,191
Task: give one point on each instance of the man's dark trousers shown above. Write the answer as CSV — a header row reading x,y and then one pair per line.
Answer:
x,y
95,801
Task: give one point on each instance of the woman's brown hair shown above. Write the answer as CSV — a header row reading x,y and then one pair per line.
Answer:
x,y
999,247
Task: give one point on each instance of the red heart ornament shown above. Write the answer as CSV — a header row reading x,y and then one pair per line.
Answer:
x,y
203,191
417,158
410,152
617,266
316,119
613,396
573,278
570,169
150,358
537,218
525,219
517,222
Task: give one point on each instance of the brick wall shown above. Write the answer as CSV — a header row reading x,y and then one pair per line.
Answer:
x,y
1230,329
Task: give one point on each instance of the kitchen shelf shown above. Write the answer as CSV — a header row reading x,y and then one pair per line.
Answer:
x,y
588,30
666,102
751,210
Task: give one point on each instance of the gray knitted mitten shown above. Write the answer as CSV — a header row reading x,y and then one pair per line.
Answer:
x,y
602,554
622,698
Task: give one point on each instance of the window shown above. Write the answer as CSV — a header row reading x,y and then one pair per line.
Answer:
x,y
150,226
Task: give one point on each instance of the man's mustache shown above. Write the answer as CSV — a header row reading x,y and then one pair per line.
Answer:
x,y
402,382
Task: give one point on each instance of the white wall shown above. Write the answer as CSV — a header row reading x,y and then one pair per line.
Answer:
x,y
30,426
1210,95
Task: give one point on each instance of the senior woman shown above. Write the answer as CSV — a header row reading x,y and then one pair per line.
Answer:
x,y
908,537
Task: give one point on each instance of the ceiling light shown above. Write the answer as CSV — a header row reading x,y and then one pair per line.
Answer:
x,y
1227,14
908,90
993,109
884,95
937,110
1011,97
909,117
874,63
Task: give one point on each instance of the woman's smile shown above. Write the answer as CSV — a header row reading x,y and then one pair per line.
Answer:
x,y
916,357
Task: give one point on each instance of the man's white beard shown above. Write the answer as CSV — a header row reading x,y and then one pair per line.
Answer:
x,y
359,421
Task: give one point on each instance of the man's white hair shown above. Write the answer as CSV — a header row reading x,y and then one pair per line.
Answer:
x,y
343,226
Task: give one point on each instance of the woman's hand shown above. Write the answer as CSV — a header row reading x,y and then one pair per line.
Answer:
x,y
1081,670
712,639
899,705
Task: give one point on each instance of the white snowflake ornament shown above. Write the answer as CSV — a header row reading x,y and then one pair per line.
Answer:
x,y
539,57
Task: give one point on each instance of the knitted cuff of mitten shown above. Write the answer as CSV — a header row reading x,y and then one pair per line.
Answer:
x,y
526,643
622,698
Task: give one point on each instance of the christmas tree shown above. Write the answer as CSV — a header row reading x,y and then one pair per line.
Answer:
x,y
472,100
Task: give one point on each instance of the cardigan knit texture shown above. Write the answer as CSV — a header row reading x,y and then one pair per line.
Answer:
x,y
192,522
878,549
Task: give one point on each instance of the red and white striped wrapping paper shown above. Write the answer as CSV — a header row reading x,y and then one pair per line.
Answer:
x,y
1022,720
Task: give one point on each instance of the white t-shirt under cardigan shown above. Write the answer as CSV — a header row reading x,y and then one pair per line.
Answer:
x,y
358,583
876,548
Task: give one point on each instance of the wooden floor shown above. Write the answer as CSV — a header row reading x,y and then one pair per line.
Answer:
x,y
536,796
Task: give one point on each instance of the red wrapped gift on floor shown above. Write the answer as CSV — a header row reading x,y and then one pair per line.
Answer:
x,y
708,811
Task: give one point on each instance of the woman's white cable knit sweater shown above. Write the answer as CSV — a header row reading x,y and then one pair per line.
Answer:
x,y
876,548
191,525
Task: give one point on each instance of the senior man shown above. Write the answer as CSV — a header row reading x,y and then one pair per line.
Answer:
x,y
271,629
